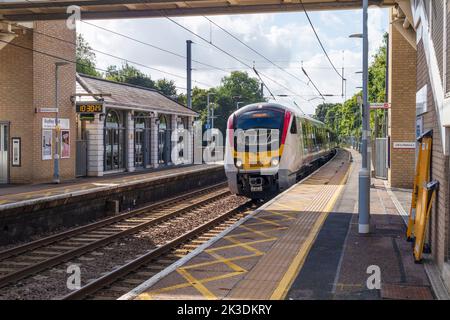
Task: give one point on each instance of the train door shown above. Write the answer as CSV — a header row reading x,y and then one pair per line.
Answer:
x,y
4,156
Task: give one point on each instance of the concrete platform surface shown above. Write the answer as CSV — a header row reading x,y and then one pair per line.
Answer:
x,y
304,245
13,195
260,257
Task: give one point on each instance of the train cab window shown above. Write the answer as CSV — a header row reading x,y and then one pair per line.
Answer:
x,y
294,126
261,119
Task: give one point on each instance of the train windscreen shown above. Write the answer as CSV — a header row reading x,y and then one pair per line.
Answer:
x,y
260,119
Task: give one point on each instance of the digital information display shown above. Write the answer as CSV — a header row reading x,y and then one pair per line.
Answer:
x,y
89,107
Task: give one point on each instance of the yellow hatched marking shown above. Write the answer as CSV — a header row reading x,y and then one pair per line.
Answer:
x,y
268,222
286,215
196,284
209,263
240,245
149,295
286,282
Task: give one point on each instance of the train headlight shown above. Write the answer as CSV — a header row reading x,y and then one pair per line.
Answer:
x,y
275,162
239,163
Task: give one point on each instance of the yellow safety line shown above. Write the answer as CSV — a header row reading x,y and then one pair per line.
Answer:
x,y
286,282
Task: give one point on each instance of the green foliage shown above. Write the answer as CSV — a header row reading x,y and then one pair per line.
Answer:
x,y
237,87
345,119
129,74
167,87
85,58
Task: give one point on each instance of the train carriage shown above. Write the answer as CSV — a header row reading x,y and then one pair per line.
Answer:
x,y
270,146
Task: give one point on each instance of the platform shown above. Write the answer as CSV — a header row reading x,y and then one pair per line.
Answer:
x,y
31,210
17,195
302,245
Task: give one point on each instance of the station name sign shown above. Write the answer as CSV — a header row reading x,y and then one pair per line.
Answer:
x,y
405,145
89,107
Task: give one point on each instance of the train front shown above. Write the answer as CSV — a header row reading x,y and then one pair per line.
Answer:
x,y
256,137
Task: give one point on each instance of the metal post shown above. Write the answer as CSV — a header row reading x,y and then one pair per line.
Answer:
x,y
212,117
189,73
56,155
364,177
208,119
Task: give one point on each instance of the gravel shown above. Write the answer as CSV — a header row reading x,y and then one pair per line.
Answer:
x,y
51,284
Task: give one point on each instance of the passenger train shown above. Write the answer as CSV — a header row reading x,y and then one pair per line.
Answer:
x,y
269,147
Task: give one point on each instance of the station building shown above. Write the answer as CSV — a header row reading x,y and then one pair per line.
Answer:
x,y
136,130
133,130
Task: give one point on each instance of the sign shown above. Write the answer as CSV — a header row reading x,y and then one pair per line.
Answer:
x,y
421,100
380,105
89,107
65,144
405,145
47,110
16,149
47,143
419,126
87,116
49,123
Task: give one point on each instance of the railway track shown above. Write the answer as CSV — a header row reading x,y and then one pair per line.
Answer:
x,y
122,280
32,258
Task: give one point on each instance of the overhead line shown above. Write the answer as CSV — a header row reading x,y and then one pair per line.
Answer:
x,y
112,56
58,57
318,39
227,53
255,51
153,46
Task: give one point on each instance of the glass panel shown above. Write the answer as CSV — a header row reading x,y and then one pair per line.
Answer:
x,y
108,149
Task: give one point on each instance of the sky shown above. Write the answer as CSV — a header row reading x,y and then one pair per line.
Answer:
x,y
285,38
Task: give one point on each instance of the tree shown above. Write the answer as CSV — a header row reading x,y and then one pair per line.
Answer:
x,y
167,87
85,58
129,74
345,119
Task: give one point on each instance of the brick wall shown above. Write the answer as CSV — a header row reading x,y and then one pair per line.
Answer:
x,y
402,93
16,99
28,82
439,168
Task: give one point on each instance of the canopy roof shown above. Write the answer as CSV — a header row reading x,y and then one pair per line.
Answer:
x,y
25,10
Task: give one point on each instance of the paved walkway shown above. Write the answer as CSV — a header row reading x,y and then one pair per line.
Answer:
x,y
19,193
341,261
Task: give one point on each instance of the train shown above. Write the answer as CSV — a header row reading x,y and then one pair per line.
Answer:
x,y
270,147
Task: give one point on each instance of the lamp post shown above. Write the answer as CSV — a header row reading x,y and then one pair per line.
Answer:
x,y
56,178
208,118
364,173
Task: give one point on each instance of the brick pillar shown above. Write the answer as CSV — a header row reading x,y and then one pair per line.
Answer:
x,y
154,142
402,115
129,156
95,152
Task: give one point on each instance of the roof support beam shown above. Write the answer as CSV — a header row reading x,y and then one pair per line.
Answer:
x,y
222,7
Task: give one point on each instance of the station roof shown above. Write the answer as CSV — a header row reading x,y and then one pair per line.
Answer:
x,y
126,96
24,10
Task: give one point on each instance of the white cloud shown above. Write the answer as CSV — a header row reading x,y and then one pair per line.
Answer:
x,y
287,39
